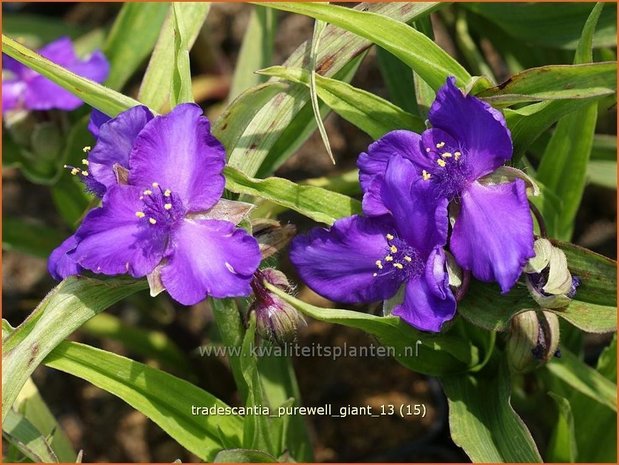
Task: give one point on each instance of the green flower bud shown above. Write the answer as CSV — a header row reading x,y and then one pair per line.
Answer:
x,y
276,320
533,340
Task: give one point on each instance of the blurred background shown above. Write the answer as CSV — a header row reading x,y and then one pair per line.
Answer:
x,y
35,220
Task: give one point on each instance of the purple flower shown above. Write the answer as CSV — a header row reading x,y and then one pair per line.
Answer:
x,y
161,214
23,88
493,231
367,259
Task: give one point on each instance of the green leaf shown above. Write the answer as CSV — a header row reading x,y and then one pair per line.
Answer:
x,y
398,79
548,24
148,343
564,164
125,47
593,310
157,83
562,445
419,351
372,114
256,50
602,173
106,100
29,237
415,49
27,438
584,379
69,305
482,420
266,124
181,71
243,456
314,202
554,82
165,399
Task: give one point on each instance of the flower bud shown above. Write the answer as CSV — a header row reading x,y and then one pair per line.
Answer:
x,y
533,340
276,320
548,278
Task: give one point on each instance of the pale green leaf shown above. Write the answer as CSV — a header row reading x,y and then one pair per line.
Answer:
x,y
29,440
562,446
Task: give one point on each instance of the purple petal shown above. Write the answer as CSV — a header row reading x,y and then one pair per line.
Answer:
x,y
60,51
12,95
113,240
493,234
423,307
479,129
340,263
373,164
12,65
59,264
420,217
97,118
115,142
178,152
210,258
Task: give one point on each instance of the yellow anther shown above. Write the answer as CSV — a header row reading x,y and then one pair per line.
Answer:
x,y
84,162
152,221
388,258
84,173
408,259
446,155
155,184
399,266
389,237
147,192
140,214
425,175
167,206
86,149
167,192
441,163
457,155
440,145
393,249
379,264
74,171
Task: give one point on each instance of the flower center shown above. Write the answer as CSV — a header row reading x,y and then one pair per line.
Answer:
x,y
451,172
162,207
401,261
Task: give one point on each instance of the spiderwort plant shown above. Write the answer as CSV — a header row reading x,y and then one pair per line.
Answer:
x,y
24,88
368,258
160,179
492,234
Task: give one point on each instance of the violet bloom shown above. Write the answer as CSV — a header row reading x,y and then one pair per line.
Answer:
x,y
161,215
367,259
23,88
493,231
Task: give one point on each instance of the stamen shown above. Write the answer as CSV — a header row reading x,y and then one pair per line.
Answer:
x,y
407,258
428,149
389,237
167,206
441,163
374,274
87,149
393,249
84,162
379,264
446,155
147,192
440,145
74,171
167,193
457,155
399,266
140,214
425,175
152,221
84,173
388,258
155,184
